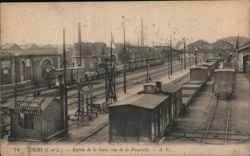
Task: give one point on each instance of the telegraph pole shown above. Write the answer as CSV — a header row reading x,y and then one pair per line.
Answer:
x,y
171,61
125,58
142,35
184,54
15,87
65,85
196,56
181,58
80,42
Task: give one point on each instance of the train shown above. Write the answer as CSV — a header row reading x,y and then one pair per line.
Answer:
x,y
152,113
53,76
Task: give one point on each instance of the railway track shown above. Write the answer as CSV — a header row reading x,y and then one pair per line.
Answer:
x,y
97,136
99,88
29,89
99,91
220,114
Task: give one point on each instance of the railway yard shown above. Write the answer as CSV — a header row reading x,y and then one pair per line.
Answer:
x,y
206,118
209,120
143,78
201,114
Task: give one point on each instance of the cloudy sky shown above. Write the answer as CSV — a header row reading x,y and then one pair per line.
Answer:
x,y
42,23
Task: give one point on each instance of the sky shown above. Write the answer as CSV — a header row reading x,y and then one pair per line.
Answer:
x,y
42,23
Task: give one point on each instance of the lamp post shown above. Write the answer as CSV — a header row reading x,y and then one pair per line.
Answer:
x,y
171,60
65,84
15,87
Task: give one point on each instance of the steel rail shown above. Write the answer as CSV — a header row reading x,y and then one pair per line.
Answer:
x,y
210,121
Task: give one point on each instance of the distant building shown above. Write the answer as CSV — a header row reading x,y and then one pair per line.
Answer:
x,y
200,44
221,46
89,54
31,63
36,118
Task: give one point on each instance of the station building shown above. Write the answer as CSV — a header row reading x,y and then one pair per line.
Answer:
x,y
29,63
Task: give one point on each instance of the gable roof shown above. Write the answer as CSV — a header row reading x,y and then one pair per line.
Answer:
x,y
10,46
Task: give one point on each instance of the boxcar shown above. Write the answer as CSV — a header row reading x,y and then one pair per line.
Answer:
x,y
199,73
143,117
175,93
139,119
224,83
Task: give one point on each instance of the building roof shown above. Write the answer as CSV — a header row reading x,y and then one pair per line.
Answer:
x,y
170,87
5,55
148,101
224,69
10,46
21,52
30,103
245,47
221,44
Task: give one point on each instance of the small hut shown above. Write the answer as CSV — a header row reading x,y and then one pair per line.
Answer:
x,y
36,118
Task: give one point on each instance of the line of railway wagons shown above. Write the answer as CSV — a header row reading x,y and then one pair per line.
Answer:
x,y
75,74
150,114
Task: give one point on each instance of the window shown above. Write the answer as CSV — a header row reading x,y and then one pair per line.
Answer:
x,y
5,71
5,64
26,121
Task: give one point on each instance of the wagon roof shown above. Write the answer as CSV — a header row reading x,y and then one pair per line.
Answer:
x,y
207,63
148,101
170,87
199,67
224,69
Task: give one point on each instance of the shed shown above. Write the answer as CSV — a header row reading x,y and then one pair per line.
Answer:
x,y
36,118
140,118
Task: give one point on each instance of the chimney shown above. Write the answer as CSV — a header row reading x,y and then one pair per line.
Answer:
x,y
158,84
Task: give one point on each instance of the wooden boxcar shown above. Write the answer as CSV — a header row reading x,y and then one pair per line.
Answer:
x,y
199,73
139,119
143,117
36,118
224,82
175,93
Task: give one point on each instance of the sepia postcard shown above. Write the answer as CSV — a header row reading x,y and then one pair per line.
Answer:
x,y
125,78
